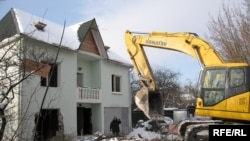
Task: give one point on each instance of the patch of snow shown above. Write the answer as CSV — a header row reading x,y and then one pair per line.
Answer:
x,y
113,56
89,138
170,109
141,133
148,130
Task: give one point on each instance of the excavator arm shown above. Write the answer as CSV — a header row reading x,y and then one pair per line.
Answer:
x,y
224,88
148,99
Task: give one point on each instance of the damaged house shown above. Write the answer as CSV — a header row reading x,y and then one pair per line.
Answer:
x,y
80,87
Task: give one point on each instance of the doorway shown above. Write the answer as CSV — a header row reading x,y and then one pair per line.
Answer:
x,y
84,124
46,124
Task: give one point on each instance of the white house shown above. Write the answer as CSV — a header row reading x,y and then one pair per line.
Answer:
x,y
89,83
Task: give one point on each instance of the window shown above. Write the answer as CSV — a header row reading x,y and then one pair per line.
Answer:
x,y
52,75
79,80
237,77
116,83
214,78
213,86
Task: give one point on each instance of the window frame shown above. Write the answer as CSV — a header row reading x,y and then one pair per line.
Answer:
x,y
234,74
116,83
80,79
54,82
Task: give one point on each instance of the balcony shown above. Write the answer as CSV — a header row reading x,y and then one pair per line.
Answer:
x,y
88,95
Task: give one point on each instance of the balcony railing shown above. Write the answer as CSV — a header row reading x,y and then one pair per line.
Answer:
x,y
88,95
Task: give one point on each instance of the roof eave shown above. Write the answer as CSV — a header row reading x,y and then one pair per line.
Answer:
x,y
120,63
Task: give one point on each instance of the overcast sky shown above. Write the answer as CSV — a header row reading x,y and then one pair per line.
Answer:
x,y
114,17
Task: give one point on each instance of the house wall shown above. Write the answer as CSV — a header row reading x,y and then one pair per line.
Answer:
x,y
118,99
62,97
85,70
91,72
8,27
96,74
116,104
96,120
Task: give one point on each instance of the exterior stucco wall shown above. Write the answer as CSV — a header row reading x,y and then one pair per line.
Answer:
x,y
62,97
116,104
115,99
91,70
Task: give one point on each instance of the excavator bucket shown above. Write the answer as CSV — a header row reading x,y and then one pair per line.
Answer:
x,y
150,102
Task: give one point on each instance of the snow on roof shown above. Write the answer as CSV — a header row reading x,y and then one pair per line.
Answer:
x,y
113,56
52,32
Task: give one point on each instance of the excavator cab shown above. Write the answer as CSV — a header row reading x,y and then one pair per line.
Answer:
x,y
150,102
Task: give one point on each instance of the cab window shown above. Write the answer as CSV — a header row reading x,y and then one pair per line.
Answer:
x,y
237,77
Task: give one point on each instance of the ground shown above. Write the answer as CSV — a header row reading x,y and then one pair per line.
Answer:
x,y
138,134
144,131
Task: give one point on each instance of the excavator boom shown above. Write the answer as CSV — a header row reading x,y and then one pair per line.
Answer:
x,y
149,99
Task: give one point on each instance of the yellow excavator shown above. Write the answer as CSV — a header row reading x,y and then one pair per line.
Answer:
x,y
224,88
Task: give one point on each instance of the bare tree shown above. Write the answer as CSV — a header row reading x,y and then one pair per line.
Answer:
x,y
17,64
168,83
189,93
230,32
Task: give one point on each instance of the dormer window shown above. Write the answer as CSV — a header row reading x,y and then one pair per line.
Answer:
x,y
40,25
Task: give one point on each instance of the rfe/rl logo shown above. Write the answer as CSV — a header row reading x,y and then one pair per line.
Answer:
x,y
229,132
239,132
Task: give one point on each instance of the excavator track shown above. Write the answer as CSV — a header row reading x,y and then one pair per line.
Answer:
x,y
189,129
